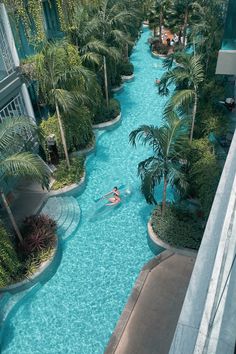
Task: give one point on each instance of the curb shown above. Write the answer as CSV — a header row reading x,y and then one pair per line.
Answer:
x,y
156,241
127,77
117,89
107,124
32,280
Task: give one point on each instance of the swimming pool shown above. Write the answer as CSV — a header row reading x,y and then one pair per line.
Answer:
x,y
77,309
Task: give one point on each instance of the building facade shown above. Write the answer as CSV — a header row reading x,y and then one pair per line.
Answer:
x,y
14,96
208,318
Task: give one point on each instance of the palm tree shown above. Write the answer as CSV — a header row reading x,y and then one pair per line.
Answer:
x,y
167,143
110,26
187,76
206,32
15,163
179,16
157,16
63,81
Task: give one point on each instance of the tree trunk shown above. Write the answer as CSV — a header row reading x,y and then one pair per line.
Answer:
x,y
185,26
180,35
163,207
194,116
11,217
105,80
127,51
160,26
63,136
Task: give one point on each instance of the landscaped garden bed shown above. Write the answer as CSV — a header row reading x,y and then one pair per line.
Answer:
x,y
177,227
20,261
66,177
106,114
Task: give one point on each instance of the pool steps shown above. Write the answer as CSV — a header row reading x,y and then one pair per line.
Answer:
x,y
66,212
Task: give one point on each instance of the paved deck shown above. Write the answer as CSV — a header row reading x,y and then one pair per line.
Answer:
x,y
150,325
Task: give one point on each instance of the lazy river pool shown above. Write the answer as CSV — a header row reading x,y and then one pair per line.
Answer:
x,y
77,309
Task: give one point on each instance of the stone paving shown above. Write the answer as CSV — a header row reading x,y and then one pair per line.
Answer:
x,y
149,326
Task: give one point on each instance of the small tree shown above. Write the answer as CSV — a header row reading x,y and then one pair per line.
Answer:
x,y
187,76
19,164
167,143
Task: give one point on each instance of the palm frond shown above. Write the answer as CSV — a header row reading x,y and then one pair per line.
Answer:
x,y
25,164
15,128
179,99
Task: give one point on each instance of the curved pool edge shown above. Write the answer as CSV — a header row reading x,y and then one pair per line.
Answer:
x,y
128,78
71,190
34,278
156,241
117,89
132,300
110,123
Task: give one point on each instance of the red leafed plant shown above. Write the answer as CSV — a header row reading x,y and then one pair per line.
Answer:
x,y
39,233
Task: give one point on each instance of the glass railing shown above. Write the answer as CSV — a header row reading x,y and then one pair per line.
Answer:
x,y
228,44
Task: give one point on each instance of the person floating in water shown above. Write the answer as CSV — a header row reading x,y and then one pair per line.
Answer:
x,y
115,197
157,81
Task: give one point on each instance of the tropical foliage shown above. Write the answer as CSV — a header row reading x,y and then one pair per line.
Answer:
x,y
64,83
187,76
9,262
105,114
168,143
178,227
15,135
63,177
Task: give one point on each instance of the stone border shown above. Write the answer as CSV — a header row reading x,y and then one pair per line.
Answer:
x,y
132,300
107,124
32,280
85,151
72,189
127,77
117,89
156,55
158,242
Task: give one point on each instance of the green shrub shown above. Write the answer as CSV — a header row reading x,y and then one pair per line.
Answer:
x,y
9,263
177,227
77,128
160,48
65,177
33,262
105,114
127,69
204,172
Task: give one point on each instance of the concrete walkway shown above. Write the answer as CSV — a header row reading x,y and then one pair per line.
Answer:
x,y
150,326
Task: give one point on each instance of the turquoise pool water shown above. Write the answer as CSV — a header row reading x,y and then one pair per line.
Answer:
x,y
77,309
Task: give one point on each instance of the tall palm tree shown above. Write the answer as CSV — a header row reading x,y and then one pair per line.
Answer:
x,y
16,163
157,16
206,32
63,81
167,143
110,26
187,76
179,16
